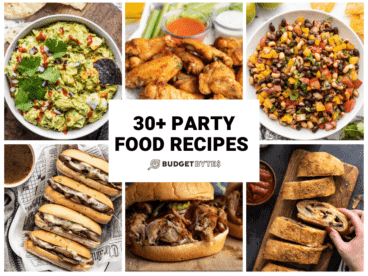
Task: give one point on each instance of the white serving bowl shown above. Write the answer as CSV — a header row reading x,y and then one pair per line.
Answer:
x,y
53,134
345,32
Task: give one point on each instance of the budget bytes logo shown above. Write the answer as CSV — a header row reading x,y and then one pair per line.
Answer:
x,y
156,163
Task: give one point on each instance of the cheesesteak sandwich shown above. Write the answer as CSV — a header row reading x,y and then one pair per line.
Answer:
x,y
69,224
90,170
59,251
78,197
174,221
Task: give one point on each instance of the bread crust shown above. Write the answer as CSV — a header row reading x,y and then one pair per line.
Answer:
x,y
57,198
287,252
68,214
89,182
274,267
181,252
167,191
322,214
320,164
235,230
87,158
291,230
51,258
309,189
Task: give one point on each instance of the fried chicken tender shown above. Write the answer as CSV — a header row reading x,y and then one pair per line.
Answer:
x,y
188,83
161,69
216,78
145,49
239,76
208,52
233,47
192,64
218,97
164,91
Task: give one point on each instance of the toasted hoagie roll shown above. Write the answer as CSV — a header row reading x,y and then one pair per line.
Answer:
x,y
78,197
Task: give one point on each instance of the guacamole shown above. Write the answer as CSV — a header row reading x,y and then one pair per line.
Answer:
x,y
53,66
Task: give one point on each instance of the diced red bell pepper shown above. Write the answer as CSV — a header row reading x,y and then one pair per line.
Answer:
x,y
263,42
322,45
329,107
357,83
316,49
291,103
350,91
328,126
346,80
326,72
321,126
314,83
305,80
349,105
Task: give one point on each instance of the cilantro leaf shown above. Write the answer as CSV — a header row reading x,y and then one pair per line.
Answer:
x,y
328,20
294,95
24,106
57,47
50,75
353,131
29,66
33,87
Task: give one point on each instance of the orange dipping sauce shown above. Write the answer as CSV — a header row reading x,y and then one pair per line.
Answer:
x,y
186,27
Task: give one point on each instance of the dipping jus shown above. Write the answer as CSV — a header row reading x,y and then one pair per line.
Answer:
x,y
18,163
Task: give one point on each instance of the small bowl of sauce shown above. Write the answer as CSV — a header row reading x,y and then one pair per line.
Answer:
x,y
228,20
19,163
186,24
260,192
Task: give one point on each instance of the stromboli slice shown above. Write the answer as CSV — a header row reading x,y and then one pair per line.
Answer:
x,y
320,164
308,189
291,230
273,267
323,214
287,252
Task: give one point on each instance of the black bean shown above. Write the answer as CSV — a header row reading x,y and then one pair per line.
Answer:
x,y
276,81
303,36
276,104
267,41
280,112
273,37
283,22
311,33
268,78
356,52
315,129
324,52
309,95
328,29
320,114
313,109
284,77
308,25
301,68
291,85
314,68
311,41
300,53
306,21
275,61
288,53
340,67
262,81
298,127
356,66
293,42
303,110
336,30
308,74
278,34
294,35
272,27
278,66
302,93
307,103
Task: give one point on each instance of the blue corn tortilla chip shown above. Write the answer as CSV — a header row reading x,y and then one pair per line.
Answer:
x,y
109,72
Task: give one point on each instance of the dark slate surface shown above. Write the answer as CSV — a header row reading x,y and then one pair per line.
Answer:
x,y
277,156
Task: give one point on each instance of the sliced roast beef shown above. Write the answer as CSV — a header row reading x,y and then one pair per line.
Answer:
x,y
136,227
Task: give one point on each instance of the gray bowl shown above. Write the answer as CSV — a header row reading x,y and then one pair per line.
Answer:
x,y
53,134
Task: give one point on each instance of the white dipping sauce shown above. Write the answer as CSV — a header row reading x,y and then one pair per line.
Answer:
x,y
232,20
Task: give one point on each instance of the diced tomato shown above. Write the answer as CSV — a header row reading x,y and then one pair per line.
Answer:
x,y
349,105
346,80
291,103
357,83
333,123
305,80
277,88
314,83
298,30
321,126
65,130
350,91
322,45
263,42
328,126
329,107
316,49
326,72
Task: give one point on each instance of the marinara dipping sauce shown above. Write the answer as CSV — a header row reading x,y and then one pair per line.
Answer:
x,y
260,192
18,163
186,27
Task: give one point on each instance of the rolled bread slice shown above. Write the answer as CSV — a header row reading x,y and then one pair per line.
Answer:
x,y
324,215
309,189
288,252
320,164
292,230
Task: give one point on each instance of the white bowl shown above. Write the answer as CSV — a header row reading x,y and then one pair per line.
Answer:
x,y
345,32
53,134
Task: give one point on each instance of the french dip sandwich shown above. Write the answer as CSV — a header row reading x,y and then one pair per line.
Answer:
x,y
174,221
78,197
90,170
59,251
69,224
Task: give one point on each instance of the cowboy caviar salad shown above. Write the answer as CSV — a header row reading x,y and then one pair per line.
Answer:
x,y
305,74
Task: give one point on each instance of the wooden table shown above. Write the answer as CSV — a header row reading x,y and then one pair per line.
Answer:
x,y
109,18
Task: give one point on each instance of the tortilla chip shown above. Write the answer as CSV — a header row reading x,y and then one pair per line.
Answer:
x,y
357,24
362,37
21,10
326,7
78,6
354,8
12,33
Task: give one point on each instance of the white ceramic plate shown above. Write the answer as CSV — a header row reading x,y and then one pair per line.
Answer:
x,y
53,134
345,32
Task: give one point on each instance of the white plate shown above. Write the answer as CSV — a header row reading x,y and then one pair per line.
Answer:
x,y
345,32
53,134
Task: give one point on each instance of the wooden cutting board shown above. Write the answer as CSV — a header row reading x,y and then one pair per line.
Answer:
x,y
345,185
105,15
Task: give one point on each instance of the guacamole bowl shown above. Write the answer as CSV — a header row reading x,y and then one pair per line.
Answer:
x,y
77,95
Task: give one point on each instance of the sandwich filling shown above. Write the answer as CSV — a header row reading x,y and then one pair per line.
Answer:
x,y
174,223
64,254
80,198
89,171
234,205
67,226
